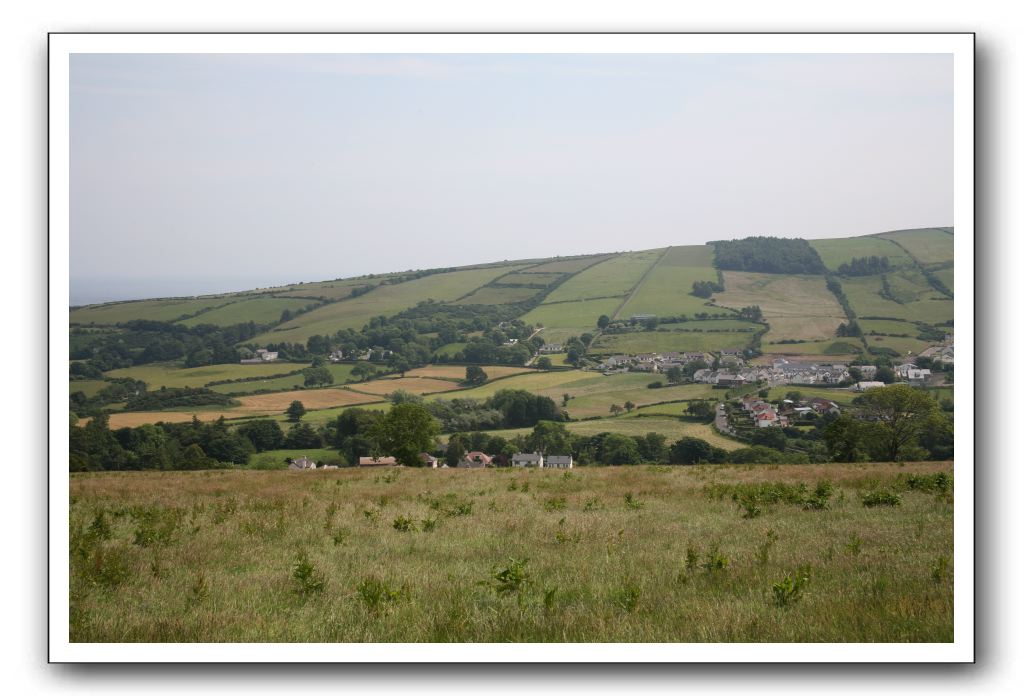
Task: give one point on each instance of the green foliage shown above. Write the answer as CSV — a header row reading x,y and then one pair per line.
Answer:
x,y
554,504
790,589
377,595
295,411
308,581
626,597
474,375
881,499
512,578
406,431
764,550
404,524
632,503
768,255
714,561
854,544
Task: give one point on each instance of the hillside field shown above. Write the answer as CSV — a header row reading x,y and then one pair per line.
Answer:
x,y
638,554
795,306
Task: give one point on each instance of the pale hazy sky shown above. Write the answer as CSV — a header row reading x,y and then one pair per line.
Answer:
x,y
203,173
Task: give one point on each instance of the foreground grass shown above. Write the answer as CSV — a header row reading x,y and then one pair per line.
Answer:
x,y
596,554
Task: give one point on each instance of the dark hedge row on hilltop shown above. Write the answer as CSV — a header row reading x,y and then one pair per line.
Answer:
x,y
768,255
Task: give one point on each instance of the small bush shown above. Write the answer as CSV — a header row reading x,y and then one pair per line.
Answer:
x,y
715,561
626,597
375,594
553,504
632,503
512,578
340,535
881,499
854,545
305,575
429,524
764,550
790,589
939,570
404,524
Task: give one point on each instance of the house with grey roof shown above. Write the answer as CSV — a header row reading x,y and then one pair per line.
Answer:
x,y
524,459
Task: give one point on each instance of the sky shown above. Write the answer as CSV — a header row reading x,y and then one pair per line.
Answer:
x,y
194,173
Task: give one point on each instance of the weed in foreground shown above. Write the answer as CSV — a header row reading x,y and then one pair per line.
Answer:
x,y
376,595
881,499
306,577
790,589
626,597
854,545
632,503
404,524
764,550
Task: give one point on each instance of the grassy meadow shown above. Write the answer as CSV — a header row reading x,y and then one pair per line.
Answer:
x,y
664,341
154,310
615,277
796,306
262,310
835,252
665,291
641,554
927,245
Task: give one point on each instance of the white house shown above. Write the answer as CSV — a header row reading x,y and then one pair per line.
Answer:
x,y
559,461
522,459
864,386
301,464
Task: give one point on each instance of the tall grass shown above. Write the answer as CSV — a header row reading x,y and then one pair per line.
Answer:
x,y
463,555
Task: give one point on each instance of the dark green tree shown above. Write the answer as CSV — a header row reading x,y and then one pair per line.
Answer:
x,y
405,432
295,411
475,375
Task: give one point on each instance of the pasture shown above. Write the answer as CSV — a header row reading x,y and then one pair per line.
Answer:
x,y
795,306
835,252
154,310
888,326
414,385
169,375
639,554
567,319
383,300
568,265
663,341
666,289
928,245
843,347
89,387
946,276
903,346
497,295
262,310
527,277
865,297
615,277
457,372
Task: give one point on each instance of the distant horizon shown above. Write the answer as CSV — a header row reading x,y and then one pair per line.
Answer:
x,y
102,290
214,169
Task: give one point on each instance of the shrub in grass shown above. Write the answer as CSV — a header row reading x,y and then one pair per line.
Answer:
x,y
404,524
790,589
764,550
376,595
715,561
854,545
553,504
109,567
512,578
200,587
632,503
939,570
100,527
340,535
626,597
881,499
429,524
306,577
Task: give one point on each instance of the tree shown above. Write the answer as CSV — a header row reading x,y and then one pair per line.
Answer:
x,y
295,411
317,375
885,374
549,436
616,409
264,434
406,431
674,374
770,437
455,450
544,363
899,414
302,436
474,375
690,450
602,321
652,447
619,449
844,438
703,410
629,406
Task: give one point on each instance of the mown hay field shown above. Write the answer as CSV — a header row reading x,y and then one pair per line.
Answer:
x,y
666,289
157,375
413,385
795,306
568,265
639,554
457,372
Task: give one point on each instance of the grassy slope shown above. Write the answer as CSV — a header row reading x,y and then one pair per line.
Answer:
x,y
170,375
835,252
567,319
384,300
612,278
610,573
796,306
665,291
263,310
155,310
659,341
865,298
928,245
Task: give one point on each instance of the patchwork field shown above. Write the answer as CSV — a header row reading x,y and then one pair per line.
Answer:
x,y
415,385
568,265
155,310
929,245
211,556
795,306
842,397
835,252
496,295
666,289
865,297
888,326
662,341
530,278
342,374
612,278
596,399
89,387
903,346
170,375
136,418
262,310
567,319
834,349
383,300
457,372
310,398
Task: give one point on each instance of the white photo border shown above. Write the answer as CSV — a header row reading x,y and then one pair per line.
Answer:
x,y
62,45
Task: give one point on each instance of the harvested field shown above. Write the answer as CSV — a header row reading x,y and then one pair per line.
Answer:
x,y
457,372
795,306
169,375
134,419
415,385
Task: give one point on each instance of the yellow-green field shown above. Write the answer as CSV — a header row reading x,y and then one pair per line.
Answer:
x,y
568,265
835,252
795,306
496,295
89,387
666,289
865,297
154,310
566,319
637,554
903,346
832,349
158,375
663,341
383,300
612,278
262,310
928,245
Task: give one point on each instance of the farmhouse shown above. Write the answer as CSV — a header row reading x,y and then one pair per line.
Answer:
x,y
864,386
429,461
551,348
475,460
301,464
378,461
521,459
262,355
559,461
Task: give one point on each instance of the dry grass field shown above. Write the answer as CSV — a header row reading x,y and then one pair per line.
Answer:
x,y
795,306
415,385
640,554
457,372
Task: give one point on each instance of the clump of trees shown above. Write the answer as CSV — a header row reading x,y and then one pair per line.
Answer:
x,y
768,255
706,288
864,266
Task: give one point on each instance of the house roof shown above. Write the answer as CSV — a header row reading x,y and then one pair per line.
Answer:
x,y
527,457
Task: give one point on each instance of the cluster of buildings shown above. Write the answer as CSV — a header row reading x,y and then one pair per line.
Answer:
x,y
942,354
368,354
262,356
781,371
652,362
765,415
471,460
